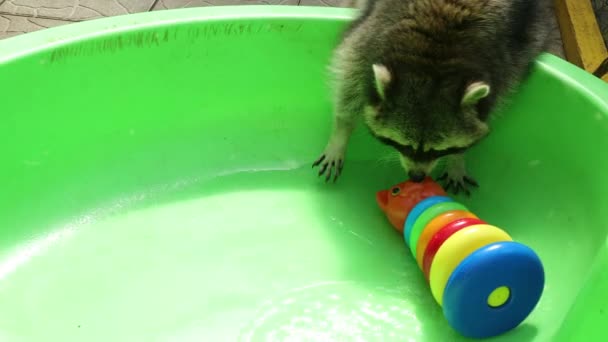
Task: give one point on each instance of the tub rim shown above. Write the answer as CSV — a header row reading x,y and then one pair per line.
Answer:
x,y
28,44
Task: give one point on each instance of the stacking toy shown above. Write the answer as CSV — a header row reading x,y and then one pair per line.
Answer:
x,y
486,283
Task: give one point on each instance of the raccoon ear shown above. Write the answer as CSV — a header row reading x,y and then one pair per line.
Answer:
x,y
382,78
475,92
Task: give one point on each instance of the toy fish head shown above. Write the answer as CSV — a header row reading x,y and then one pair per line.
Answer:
x,y
397,201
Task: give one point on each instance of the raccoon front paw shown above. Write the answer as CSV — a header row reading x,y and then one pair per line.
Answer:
x,y
458,182
331,162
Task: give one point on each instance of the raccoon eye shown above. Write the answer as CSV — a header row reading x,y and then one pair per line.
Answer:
x,y
434,154
392,143
453,150
395,191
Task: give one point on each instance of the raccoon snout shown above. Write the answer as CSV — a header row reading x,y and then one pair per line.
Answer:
x,y
417,176
417,170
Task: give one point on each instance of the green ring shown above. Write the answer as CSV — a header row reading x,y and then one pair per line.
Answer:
x,y
427,216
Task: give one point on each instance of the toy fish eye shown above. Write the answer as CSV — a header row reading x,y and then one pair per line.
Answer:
x,y
395,191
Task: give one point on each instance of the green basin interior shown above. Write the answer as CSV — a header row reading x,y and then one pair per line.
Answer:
x,y
156,185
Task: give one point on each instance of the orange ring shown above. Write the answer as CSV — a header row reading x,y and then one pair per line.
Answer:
x,y
434,226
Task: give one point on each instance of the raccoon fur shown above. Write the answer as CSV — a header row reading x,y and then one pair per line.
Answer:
x,y
426,75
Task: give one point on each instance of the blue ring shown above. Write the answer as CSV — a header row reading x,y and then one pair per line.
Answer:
x,y
417,210
498,264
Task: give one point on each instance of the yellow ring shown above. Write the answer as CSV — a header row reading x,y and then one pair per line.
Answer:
x,y
456,248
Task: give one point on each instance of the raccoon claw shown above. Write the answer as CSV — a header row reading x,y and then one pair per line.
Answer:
x,y
329,167
458,184
318,161
471,181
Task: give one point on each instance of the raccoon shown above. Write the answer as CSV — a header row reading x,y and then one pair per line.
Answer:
x,y
426,75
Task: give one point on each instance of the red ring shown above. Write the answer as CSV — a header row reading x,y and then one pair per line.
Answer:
x,y
440,237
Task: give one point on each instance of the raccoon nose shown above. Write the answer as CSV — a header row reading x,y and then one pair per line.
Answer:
x,y
417,176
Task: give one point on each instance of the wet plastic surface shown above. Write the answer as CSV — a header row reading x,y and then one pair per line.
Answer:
x,y
166,193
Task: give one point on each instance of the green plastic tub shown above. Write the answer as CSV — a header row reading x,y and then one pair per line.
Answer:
x,y
156,185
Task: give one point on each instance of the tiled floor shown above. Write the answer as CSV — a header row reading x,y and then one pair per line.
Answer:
x,y
21,16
